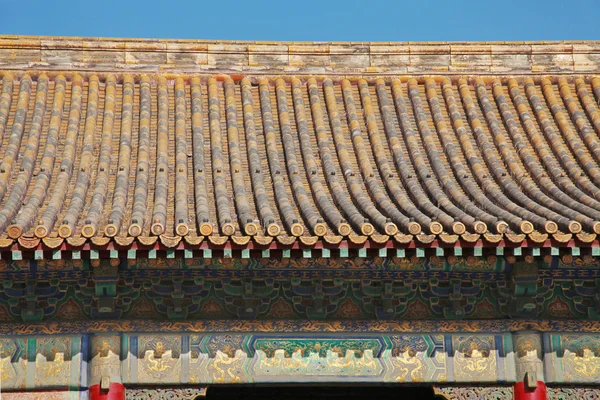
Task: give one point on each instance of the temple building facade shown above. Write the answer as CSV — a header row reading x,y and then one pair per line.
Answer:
x,y
187,219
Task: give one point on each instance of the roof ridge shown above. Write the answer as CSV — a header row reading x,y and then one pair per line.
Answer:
x,y
177,55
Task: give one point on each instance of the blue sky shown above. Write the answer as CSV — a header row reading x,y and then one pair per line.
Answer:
x,y
307,20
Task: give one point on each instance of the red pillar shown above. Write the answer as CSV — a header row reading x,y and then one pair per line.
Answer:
x,y
522,392
116,391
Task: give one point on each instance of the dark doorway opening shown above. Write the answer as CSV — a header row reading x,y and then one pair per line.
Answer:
x,y
321,393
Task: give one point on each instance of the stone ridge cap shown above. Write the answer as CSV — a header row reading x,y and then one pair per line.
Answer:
x,y
5,37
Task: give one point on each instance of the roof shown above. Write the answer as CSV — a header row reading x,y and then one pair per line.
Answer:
x,y
90,153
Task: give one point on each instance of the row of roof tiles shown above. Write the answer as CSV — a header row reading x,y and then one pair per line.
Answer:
x,y
126,157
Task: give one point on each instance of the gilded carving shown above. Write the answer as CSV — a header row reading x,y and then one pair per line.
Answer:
x,y
53,362
13,363
298,365
160,360
219,369
474,359
584,368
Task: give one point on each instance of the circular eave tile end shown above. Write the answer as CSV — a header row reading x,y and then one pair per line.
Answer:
x,y
182,229
367,229
40,231
135,230
501,227
391,229
157,229
14,231
206,229
526,227
273,230
551,227
436,228
320,229
574,227
344,229
458,228
65,231
596,227
414,228
111,230
88,231
480,227
228,229
251,229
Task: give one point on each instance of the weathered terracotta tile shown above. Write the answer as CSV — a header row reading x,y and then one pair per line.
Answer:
x,y
268,55
506,63
308,49
145,57
350,60
99,58
227,55
63,58
552,62
348,49
587,62
511,48
475,48
380,49
390,60
187,47
185,59
429,49
471,60
146,46
310,60
554,48
19,56
429,60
